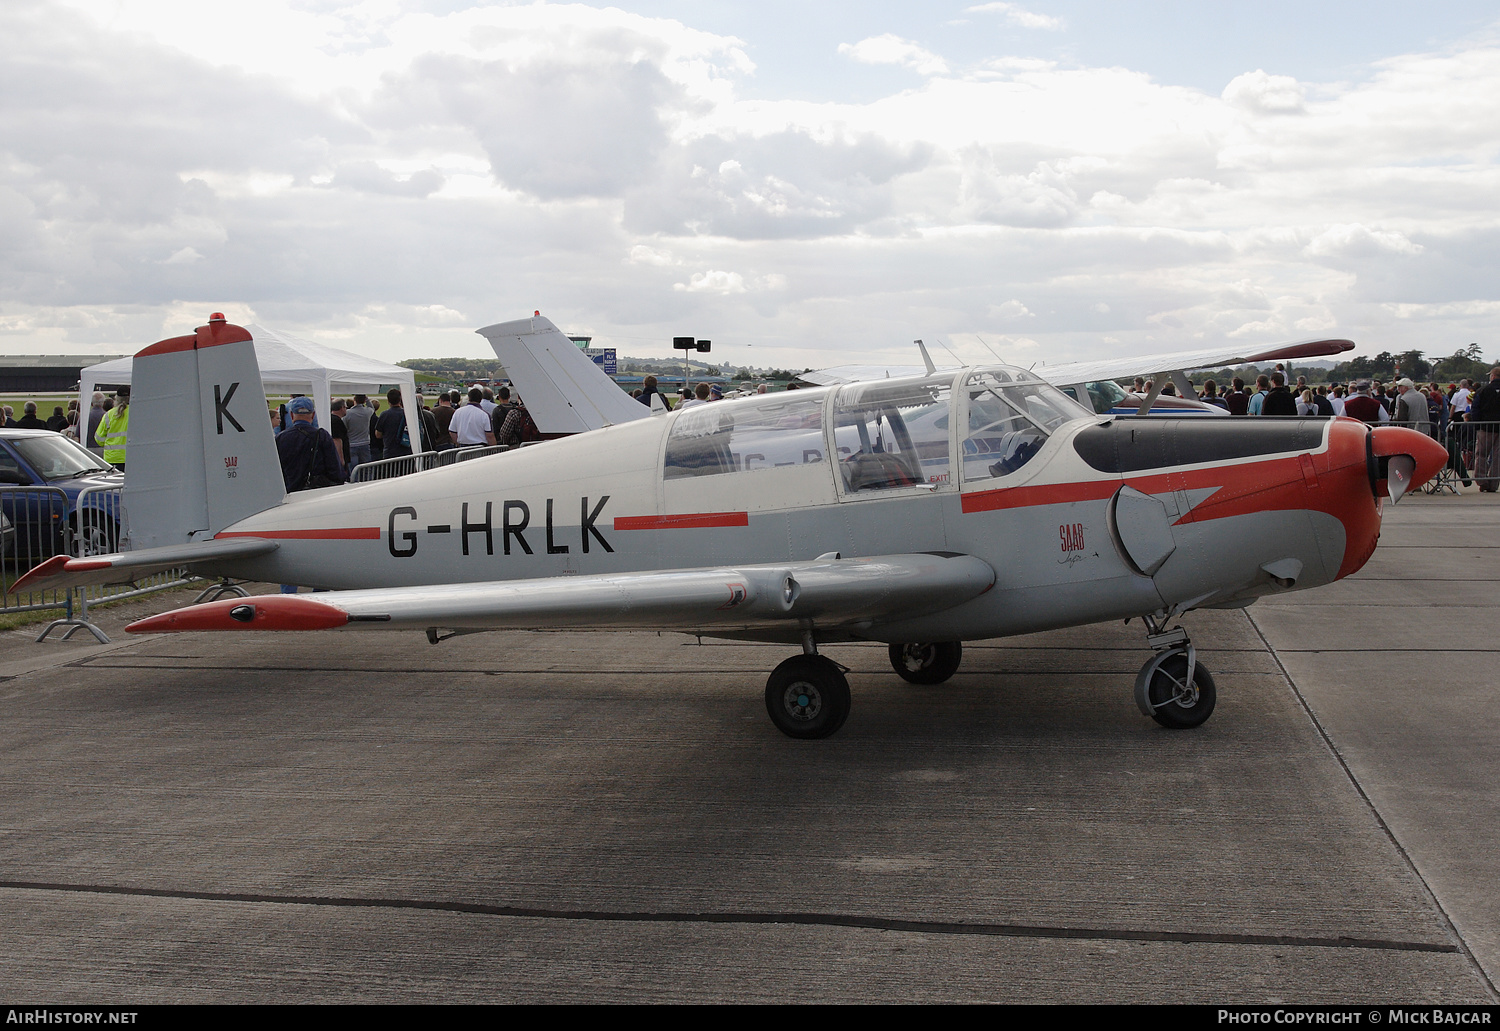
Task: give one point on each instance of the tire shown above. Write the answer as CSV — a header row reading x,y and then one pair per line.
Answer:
x,y
1176,713
926,663
96,534
807,697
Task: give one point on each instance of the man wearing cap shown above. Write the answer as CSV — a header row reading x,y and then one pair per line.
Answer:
x,y
308,457
113,429
1411,408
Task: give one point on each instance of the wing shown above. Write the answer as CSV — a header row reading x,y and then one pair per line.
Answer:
x,y
828,591
60,571
564,391
1181,361
858,373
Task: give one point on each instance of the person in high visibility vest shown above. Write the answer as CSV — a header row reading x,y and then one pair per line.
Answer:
x,y
112,429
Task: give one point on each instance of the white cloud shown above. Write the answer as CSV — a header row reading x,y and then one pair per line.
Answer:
x,y
1267,94
892,49
1017,15
1360,241
389,176
713,282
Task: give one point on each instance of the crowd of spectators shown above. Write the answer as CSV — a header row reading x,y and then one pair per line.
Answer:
x,y
1462,416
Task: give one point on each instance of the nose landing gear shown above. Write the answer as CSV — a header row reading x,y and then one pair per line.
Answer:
x,y
1173,687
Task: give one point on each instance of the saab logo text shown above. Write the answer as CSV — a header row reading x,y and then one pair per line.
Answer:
x,y
1071,535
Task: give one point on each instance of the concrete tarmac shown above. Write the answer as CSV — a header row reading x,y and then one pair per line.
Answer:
x,y
565,817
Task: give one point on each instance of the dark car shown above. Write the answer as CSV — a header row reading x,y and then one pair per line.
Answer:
x,y
43,518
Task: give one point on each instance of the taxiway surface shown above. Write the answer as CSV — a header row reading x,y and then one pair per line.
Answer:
x,y
566,817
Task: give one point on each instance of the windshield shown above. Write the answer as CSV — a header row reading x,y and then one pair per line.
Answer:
x,y
1104,394
1010,419
55,457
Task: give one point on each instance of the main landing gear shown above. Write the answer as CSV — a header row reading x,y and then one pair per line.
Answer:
x,y
807,696
1173,687
926,663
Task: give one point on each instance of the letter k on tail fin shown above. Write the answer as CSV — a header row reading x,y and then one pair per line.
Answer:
x,y
200,453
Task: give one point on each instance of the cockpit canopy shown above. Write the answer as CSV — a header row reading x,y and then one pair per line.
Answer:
x,y
881,435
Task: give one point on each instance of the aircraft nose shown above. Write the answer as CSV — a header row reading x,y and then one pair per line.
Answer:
x,y
1410,458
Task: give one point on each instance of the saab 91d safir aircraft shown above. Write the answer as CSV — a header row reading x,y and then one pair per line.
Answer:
x,y
919,512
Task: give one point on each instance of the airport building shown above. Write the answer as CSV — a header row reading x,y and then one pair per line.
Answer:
x,y
46,373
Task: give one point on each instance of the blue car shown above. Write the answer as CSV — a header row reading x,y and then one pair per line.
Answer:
x,y
42,520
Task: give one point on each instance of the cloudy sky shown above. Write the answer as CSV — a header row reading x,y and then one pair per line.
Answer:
x,y
805,183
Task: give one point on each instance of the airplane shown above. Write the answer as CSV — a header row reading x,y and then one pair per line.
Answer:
x,y
919,512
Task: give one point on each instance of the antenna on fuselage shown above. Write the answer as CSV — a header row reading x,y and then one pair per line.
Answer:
x,y
990,349
926,358
955,357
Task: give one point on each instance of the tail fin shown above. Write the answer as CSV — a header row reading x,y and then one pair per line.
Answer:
x,y
564,391
200,453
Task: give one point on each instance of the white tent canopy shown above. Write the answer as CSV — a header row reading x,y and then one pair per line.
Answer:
x,y
288,365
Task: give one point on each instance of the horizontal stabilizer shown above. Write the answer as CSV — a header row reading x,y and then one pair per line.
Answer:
x,y
60,571
829,592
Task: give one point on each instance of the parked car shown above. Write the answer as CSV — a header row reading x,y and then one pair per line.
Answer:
x,y
42,519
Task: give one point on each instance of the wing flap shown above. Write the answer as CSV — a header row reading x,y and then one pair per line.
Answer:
x,y
829,592
60,571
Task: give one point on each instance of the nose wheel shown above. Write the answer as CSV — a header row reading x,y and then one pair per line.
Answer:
x,y
926,663
1173,687
807,697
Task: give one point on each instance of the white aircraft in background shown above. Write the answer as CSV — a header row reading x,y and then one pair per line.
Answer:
x,y
567,393
1092,383
919,512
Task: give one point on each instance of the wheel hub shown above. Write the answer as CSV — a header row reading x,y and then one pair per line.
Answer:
x,y
918,656
803,701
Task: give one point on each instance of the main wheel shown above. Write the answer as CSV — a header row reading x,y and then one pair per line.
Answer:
x,y
97,534
1175,701
926,663
807,697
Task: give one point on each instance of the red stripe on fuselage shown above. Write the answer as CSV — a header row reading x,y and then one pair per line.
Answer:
x,y
682,522
338,533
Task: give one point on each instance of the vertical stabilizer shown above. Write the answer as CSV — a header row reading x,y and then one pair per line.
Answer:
x,y
564,391
200,453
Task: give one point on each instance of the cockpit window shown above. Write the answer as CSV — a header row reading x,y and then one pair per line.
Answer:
x,y
1009,421
893,435
1105,394
746,436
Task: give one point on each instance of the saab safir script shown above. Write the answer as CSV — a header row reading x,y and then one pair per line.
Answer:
x,y
476,527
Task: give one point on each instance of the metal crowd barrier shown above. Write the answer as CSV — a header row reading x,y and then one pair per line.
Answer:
x,y
405,465
39,524
1473,448
465,454
389,468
